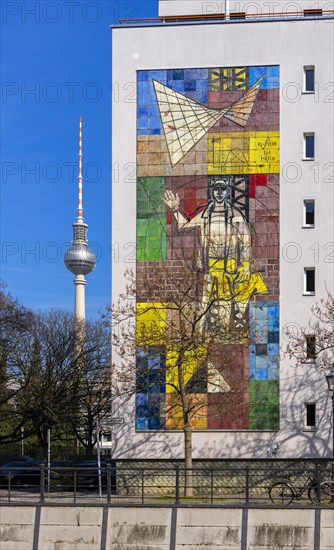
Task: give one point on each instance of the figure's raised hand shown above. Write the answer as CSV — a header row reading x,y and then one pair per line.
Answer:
x,y
172,200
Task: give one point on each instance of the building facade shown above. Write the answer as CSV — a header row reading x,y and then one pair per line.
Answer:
x,y
223,208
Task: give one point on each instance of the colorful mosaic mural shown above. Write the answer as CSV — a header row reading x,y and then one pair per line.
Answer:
x,y
208,234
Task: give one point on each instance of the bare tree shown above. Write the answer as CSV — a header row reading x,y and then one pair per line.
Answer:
x,y
91,402
54,374
200,347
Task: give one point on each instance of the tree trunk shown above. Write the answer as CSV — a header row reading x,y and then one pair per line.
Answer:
x,y
89,450
188,460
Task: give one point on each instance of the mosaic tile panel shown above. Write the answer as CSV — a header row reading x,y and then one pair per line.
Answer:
x,y
208,205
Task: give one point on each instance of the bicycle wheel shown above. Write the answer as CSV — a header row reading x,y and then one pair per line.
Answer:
x,y
327,493
281,494
313,494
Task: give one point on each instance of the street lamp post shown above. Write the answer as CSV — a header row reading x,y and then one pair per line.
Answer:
x,y
330,383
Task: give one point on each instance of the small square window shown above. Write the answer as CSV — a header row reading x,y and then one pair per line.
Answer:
x,y
310,347
309,146
309,81
309,280
309,213
310,416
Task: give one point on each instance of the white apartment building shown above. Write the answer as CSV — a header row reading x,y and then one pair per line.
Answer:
x,y
222,150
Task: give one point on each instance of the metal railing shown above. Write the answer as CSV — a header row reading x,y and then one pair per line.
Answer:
x,y
130,485
227,18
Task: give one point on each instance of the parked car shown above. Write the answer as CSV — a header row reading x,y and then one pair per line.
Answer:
x,y
87,474
20,473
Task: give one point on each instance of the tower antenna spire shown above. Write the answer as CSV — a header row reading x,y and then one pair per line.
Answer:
x,y
79,258
80,215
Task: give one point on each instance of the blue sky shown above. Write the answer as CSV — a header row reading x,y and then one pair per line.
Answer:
x,y
56,66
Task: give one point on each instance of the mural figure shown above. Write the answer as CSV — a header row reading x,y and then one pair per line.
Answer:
x,y
225,256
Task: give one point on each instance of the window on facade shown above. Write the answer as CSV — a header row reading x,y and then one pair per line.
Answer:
x,y
309,213
310,416
309,280
309,146
313,13
106,438
310,346
309,82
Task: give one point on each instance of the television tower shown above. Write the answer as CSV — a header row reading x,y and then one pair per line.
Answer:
x,y
79,258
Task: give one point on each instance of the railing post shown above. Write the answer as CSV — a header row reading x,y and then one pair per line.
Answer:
x,y
142,486
108,483
177,485
318,480
247,483
42,482
75,486
211,486
9,485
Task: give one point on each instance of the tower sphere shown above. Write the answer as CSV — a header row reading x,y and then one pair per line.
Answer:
x,y
80,259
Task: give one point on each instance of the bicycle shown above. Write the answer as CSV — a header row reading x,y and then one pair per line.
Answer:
x,y
283,493
326,493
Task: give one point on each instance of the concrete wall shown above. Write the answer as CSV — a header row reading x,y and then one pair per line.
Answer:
x,y
170,528
210,7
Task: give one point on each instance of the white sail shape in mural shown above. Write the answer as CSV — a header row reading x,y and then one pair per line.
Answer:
x,y
185,121
216,381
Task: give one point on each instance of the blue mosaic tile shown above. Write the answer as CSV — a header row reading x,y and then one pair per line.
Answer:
x,y
271,79
196,74
153,110
202,97
158,75
141,399
154,122
153,405
143,89
202,85
273,324
154,423
142,111
142,123
261,350
142,76
273,349
261,362
190,85
273,337
261,373
141,424
273,373
261,336
273,361
177,85
273,313
154,132
154,362
142,412
178,74
261,312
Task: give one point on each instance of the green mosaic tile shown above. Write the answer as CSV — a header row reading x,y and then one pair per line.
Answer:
x,y
141,228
